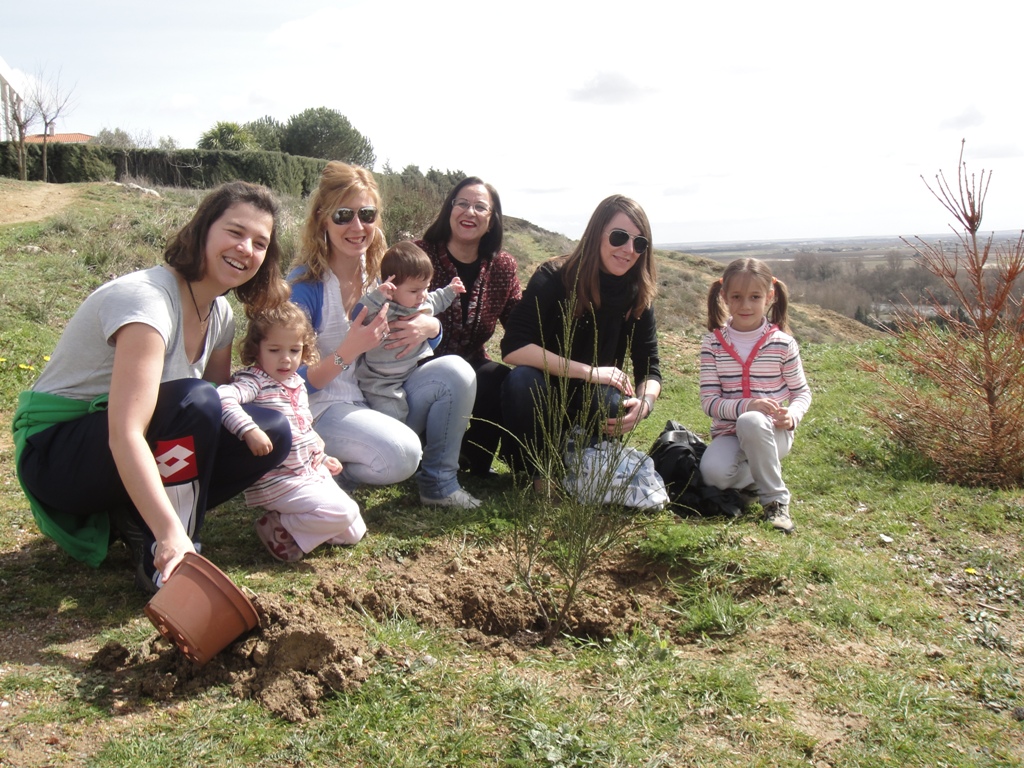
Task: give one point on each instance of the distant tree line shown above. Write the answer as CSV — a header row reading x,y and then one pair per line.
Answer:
x,y
319,132
860,288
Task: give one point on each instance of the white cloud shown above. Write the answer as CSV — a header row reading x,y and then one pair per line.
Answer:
x,y
971,117
609,88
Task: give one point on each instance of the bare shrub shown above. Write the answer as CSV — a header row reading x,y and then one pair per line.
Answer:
x,y
559,540
960,400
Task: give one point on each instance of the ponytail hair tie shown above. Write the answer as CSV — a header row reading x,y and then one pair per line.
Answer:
x,y
720,281
775,280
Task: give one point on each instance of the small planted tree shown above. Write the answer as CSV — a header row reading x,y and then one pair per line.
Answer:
x,y
962,406
561,536
327,134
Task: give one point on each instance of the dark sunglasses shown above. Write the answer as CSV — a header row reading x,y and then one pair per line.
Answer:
x,y
367,215
619,237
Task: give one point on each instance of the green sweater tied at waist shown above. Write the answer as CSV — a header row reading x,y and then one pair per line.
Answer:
x,y
84,538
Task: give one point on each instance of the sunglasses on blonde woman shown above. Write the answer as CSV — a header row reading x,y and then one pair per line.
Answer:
x,y
367,215
619,237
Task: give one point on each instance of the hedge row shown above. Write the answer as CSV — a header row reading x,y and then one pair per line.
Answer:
x,y
196,168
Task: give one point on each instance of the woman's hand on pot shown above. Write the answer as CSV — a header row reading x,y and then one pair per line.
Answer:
x,y
170,551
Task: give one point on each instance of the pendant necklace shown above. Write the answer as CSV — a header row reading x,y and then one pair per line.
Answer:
x,y
202,320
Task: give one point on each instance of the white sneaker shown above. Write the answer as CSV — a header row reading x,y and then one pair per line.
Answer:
x,y
777,514
461,499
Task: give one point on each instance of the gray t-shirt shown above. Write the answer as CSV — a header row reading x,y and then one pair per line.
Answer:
x,y
83,362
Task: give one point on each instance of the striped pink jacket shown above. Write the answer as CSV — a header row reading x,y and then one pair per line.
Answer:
x,y
773,370
253,385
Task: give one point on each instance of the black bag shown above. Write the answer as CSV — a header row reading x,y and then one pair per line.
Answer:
x,y
676,454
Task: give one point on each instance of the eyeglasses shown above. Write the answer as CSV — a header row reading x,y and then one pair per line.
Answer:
x,y
479,207
619,237
367,215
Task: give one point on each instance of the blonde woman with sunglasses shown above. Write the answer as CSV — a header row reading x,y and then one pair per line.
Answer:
x,y
341,251
580,315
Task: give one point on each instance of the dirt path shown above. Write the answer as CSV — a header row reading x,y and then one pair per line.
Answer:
x,y
33,200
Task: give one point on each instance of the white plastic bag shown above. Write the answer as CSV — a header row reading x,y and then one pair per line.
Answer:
x,y
614,473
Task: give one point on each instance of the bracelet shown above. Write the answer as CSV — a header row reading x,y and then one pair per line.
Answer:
x,y
649,399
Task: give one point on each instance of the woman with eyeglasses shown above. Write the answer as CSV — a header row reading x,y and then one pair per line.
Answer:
x,y
341,250
465,241
580,315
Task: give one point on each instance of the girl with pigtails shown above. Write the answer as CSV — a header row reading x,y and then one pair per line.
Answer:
x,y
753,387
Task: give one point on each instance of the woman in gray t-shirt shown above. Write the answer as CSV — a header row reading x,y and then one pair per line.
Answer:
x,y
121,434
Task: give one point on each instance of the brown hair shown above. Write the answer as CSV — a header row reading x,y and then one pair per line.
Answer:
x,y
186,249
440,232
286,315
718,313
581,269
338,181
406,260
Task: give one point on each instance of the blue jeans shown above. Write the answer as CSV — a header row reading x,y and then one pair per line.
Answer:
x,y
378,450
529,395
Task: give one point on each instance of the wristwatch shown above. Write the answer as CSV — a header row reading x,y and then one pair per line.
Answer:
x,y
340,363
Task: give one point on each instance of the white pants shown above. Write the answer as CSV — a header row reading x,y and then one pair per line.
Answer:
x,y
316,510
751,459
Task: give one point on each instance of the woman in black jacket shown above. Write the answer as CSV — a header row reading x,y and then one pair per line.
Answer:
x,y
581,316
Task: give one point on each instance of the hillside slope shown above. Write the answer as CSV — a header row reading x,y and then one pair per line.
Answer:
x,y
683,279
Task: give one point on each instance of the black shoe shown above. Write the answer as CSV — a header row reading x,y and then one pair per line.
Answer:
x,y
135,538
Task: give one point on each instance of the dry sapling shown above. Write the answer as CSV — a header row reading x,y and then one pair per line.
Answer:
x,y
962,406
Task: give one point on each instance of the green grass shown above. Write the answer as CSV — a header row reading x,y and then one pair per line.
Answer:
x,y
887,631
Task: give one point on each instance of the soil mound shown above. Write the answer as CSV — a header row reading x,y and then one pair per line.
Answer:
x,y
306,651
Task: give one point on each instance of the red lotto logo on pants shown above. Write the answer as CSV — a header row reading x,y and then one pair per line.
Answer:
x,y
176,460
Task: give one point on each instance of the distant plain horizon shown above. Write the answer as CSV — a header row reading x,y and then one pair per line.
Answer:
x,y
999,236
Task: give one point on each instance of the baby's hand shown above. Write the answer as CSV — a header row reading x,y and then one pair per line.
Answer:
x,y
258,442
333,465
387,288
456,283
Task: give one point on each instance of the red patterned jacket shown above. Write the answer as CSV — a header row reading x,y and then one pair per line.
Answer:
x,y
491,299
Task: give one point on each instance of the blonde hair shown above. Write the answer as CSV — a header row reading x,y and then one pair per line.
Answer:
x,y
718,314
338,182
289,316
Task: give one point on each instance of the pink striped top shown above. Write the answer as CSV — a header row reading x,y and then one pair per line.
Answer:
x,y
253,385
772,370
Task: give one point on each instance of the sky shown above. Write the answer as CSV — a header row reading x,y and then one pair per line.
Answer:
x,y
732,121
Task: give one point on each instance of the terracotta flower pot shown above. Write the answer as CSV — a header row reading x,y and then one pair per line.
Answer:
x,y
200,609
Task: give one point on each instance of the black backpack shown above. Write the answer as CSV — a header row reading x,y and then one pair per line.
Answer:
x,y
676,454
